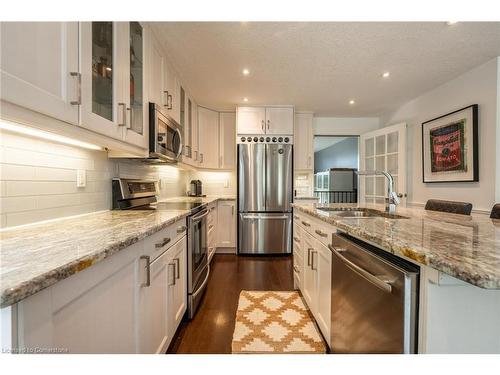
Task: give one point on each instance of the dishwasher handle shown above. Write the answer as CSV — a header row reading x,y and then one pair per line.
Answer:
x,y
381,284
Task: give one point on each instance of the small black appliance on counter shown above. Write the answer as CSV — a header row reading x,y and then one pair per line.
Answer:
x,y
195,189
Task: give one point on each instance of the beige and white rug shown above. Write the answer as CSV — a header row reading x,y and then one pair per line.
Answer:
x,y
274,322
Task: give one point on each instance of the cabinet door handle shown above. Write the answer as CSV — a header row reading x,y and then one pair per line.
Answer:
x,y
268,123
124,114
177,268
296,217
312,260
232,210
305,223
195,155
262,126
181,229
309,255
148,270
165,241
170,106
296,239
322,234
128,118
78,101
296,269
165,95
173,274
201,158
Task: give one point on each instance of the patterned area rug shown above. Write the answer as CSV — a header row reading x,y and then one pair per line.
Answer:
x,y
274,322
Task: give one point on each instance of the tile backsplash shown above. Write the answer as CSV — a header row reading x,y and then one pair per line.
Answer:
x,y
38,179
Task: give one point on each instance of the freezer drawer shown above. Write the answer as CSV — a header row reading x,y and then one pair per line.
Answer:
x,y
265,233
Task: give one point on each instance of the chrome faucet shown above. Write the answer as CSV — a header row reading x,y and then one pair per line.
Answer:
x,y
392,200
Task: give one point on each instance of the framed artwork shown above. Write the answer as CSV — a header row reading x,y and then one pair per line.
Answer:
x,y
450,147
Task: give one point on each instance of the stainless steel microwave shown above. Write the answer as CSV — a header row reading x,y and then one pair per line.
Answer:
x,y
165,136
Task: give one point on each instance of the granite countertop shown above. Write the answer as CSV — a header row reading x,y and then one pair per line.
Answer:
x,y
465,247
36,256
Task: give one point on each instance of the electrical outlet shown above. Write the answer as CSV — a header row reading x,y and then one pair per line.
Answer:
x,y
81,178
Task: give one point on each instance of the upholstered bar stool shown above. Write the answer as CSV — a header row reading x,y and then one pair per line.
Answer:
x,y
495,211
462,208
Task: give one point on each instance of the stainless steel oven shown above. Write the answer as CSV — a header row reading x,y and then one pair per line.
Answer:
x,y
165,136
198,267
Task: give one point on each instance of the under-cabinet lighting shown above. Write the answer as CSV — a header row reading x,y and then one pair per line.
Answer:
x,y
449,23
32,132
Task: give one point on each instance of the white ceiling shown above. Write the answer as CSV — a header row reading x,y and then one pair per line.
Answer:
x,y
320,66
320,143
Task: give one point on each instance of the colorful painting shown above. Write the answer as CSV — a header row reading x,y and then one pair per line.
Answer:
x,y
449,147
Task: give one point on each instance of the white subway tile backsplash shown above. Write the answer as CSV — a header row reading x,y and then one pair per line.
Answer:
x,y
17,204
17,172
55,174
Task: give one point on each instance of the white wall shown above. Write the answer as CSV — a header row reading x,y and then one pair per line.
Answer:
x,y
477,86
344,125
38,179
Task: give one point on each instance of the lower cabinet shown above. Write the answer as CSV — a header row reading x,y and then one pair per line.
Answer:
x,y
131,302
226,224
315,275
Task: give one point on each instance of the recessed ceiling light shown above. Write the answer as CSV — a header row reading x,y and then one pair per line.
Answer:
x,y
386,74
351,102
245,99
449,23
246,72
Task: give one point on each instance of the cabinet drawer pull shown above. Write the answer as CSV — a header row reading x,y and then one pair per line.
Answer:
x,y
78,101
181,229
296,239
163,243
305,223
309,256
148,270
177,268
173,274
322,234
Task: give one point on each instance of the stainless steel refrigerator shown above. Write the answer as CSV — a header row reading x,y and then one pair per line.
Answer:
x,y
265,188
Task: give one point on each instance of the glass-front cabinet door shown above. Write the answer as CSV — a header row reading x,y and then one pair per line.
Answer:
x,y
134,75
103,109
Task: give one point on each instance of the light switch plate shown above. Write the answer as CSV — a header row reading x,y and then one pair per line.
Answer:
x,y
81,178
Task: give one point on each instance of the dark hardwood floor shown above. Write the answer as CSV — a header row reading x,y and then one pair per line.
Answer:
x,y
211,330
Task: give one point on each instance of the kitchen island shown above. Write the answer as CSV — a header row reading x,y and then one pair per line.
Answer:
x,y
459,259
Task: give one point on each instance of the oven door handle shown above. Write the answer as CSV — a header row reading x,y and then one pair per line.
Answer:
x,y
203,284
198,218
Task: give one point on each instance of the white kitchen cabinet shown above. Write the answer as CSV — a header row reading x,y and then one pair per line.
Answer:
x,y
157,73
173,89
136,130
227,140
153,304
265,120
212,229
321,263
251,120
103,109
92,311
303,142
39,67
195,153
309,281
226,224
177,289
279,120
208,136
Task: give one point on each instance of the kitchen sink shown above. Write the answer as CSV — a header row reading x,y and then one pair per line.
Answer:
x,y
359,213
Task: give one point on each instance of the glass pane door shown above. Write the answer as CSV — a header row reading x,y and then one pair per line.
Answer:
x,y
136,78
102,69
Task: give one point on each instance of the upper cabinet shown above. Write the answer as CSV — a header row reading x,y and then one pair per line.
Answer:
x,y
251,120
173,92
227,140
39,67
265,120
113,80
303,142
208,135
279,120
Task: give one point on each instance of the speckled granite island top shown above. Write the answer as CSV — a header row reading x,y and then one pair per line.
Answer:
x,y
465,247
39,255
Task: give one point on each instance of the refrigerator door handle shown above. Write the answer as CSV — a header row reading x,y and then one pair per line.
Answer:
x,y
257,217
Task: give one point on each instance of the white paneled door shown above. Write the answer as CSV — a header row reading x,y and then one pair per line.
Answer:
x,y
383,150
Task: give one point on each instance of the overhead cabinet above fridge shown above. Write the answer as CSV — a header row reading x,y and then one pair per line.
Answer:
x,y
265,120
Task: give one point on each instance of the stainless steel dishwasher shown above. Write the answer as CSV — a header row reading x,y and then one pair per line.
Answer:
x,y
374,299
